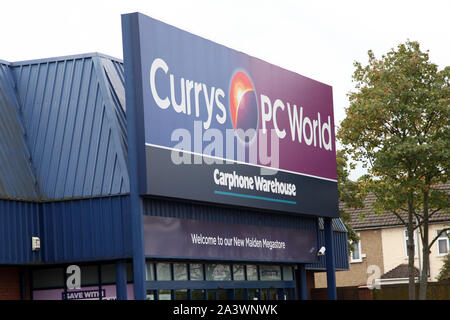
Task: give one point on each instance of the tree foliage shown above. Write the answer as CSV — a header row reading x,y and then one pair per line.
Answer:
x,y
444,273
349,193
398,124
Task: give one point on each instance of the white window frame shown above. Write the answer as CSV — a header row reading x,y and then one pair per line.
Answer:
x,y
359,252
443,236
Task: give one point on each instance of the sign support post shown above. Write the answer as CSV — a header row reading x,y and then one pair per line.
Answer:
x,y
129,24
121,280
329,257
303,287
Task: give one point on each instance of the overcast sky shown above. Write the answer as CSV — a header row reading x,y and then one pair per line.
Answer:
x,y
317,39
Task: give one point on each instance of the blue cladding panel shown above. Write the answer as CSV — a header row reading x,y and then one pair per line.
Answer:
x,y
336,224
19,221
17,179
186,210
75,125
340,252
91,229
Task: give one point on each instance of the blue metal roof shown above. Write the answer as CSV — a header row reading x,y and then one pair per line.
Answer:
x,y
17,177
72,112
336,224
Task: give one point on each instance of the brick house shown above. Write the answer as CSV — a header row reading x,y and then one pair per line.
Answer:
x,y
381,256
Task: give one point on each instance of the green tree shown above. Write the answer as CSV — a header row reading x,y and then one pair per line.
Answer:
x,y
398,125
444,273
349,194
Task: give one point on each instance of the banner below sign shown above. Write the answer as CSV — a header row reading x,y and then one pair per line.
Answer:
x,y
238,184
171,237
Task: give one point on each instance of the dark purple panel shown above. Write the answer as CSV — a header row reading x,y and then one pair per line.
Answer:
x,y
185,238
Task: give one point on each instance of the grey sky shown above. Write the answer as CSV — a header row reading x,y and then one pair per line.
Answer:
x,y
318,39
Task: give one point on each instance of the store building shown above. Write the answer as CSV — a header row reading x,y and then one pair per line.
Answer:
x,y
80,187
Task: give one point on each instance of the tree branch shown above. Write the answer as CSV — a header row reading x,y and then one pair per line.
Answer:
x,y
400,218
432,213
437,237
418,215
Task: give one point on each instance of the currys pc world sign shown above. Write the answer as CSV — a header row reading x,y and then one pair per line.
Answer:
x,y
216,125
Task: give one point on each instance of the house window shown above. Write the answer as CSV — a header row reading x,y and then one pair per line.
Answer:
x,y
356,252
443,243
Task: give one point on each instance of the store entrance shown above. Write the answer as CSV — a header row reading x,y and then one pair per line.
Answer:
x,y
219,281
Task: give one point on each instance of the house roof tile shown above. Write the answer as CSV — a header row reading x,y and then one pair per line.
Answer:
x,y
366,218
401,271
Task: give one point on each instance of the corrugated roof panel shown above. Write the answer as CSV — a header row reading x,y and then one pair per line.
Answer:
x,y
75,125
17,179
115,79
336,224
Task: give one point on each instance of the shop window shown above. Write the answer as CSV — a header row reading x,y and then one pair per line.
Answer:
x,y
164,295
218,272
196,271
151,294
181,294
163,272
108,273
89,275
443,242
222,295
252,272
288,274
254,294
238,272
180,271
149,271
269,294
239,294
289,293
269,273
198,294
212,295
48,278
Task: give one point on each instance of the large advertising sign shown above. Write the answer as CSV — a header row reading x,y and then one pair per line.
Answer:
x,y
217,125
171,237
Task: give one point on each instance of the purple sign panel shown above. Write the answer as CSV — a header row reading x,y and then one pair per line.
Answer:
x,y
200,104
170,237
108,292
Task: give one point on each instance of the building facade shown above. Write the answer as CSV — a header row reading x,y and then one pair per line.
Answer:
x,y
67,207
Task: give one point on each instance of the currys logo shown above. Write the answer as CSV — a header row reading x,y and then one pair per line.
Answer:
x,y
206,102
243,106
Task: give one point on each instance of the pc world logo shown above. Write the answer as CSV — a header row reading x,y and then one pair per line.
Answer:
x,y
244,109
205,104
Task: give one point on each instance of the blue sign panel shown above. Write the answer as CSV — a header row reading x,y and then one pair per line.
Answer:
x,y
216,125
